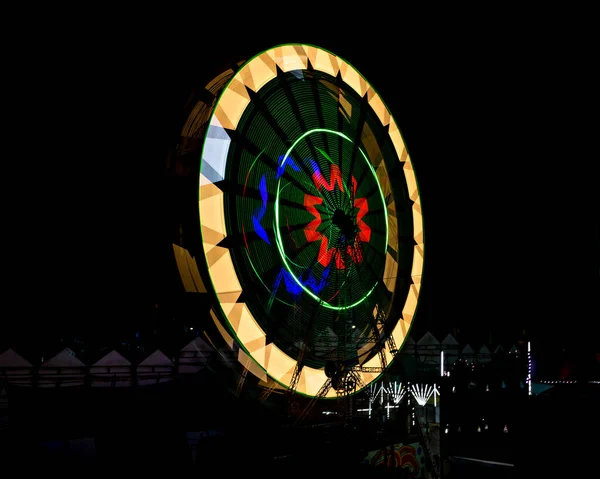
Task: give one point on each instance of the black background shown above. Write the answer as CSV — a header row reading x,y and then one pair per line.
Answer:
x,y
493,114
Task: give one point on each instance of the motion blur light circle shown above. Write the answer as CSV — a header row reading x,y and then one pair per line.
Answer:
x,y
310,216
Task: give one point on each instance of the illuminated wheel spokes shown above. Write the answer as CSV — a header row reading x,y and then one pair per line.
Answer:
x,y
338,224
310,216
342,222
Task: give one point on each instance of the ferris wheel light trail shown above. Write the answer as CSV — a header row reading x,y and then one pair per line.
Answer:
x,y
397,392
382,390
278,237
388,407
422,393
372,392
303,175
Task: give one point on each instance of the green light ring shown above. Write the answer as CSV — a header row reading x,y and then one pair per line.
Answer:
x,y
278,240
247,254
225,149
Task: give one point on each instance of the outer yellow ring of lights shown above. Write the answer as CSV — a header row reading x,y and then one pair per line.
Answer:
x,y
232,102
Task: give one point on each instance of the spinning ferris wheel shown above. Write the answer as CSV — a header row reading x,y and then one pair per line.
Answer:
x,y
310,219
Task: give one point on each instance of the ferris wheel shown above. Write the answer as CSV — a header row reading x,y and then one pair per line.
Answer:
x,y
310,219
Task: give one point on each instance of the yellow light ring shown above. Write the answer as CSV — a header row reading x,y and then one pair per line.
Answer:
x,y
225,115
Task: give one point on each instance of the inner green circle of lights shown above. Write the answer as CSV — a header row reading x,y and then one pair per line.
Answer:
x,y
279,241
310,217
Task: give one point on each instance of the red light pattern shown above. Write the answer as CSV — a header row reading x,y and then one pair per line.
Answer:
x,y
354,251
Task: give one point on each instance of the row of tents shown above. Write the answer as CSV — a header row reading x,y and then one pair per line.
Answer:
x,y
114,369
429,348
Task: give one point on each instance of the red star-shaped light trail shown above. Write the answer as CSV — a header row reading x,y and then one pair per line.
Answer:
x,y
354,250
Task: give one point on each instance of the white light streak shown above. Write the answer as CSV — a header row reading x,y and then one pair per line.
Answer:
x,y
365,410
529,366
382,391
442,363
388,407
372,393
397,392
436,393
422,393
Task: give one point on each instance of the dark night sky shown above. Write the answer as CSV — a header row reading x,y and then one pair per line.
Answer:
x,y
511,230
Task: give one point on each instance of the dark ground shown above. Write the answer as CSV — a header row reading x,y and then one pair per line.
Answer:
x,y
146,429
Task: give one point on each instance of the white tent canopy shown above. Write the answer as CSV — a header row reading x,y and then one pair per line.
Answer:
x,y
65,359
449,341
111,359
429,341
484,354
467,351
157,358
409,345
11,359
194,355
156,368
64,369
111,370
15,368
450,347
428,348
